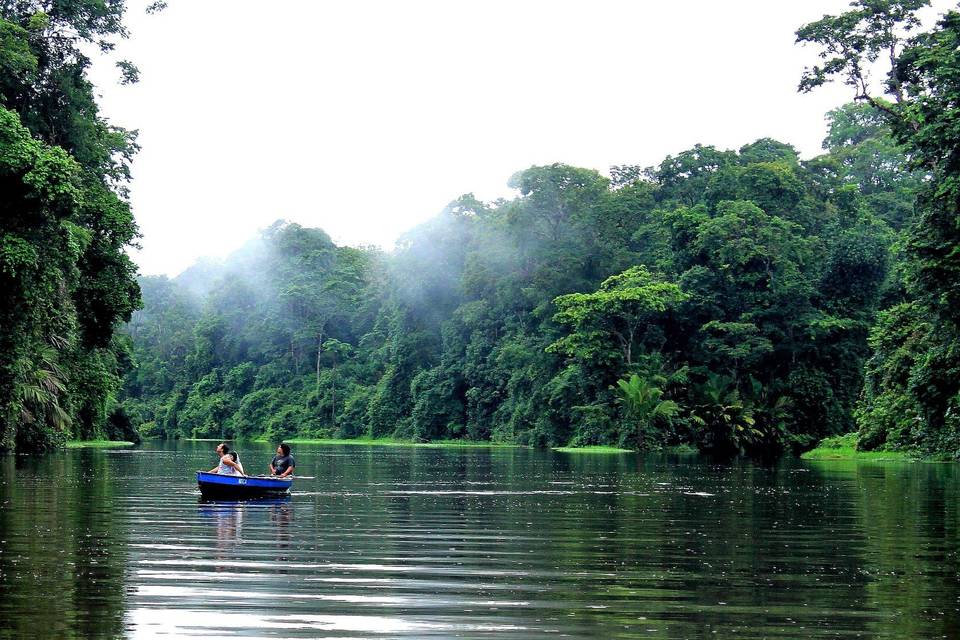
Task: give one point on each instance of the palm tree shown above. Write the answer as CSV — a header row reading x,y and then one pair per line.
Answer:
x,y
772,414
38,387
726,420
643,404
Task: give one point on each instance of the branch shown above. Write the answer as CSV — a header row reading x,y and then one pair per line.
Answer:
x,y
895,83
877,104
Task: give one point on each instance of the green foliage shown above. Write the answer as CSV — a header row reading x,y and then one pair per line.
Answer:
x,y
607,323
912,390
724,421
37,393
847,447
721,298
291,420
65,226
255,410
437,411
535,321
864,155
643,407
851,41
888,416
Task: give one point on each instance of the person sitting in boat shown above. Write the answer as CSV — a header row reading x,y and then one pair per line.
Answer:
x,y
283,463
227,466
236,458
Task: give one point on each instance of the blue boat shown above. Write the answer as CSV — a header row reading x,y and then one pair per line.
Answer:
x,y
224,487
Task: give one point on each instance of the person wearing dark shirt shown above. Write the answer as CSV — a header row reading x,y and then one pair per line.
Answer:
x,y
283,463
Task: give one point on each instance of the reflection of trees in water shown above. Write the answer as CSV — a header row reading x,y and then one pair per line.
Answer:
x,y
869,549
910,518
64,548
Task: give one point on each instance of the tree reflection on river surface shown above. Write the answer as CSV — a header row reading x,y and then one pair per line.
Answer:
x,y
506,543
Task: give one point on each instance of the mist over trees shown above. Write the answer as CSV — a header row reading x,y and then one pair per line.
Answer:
x,y
721,298
743,301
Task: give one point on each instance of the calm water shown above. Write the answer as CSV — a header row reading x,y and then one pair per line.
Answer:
x,y
420,543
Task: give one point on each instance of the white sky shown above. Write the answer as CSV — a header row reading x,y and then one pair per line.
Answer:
x,y
365,118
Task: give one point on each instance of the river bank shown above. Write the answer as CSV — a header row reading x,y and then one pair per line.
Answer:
x,y
98,444
845,448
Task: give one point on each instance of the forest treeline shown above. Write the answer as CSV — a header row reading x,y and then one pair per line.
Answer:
x,y
66,281
742,301
720,298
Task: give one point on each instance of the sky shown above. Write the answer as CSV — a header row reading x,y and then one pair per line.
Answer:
x,y
365,118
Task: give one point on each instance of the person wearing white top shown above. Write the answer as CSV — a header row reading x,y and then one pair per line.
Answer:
x,y
228,466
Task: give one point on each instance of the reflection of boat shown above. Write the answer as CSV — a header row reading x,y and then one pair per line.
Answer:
x,y
213,485
266,500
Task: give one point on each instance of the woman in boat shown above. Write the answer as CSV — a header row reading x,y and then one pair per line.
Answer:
x,y
236,458
228,466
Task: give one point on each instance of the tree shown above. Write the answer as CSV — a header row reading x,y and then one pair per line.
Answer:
x,y
643,405
726,422
39,246
924,82
749,295
616,313
683,178
66,224
851,42
336,351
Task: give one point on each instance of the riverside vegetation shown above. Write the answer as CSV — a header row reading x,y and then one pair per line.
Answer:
x,y
65,279
740,301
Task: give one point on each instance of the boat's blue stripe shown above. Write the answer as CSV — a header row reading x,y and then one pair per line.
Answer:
x,y
242,481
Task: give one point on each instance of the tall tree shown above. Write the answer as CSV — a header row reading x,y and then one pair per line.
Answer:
x,y
67,224
923,81
613,319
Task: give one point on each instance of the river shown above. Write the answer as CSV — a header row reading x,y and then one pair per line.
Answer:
x,y
398,542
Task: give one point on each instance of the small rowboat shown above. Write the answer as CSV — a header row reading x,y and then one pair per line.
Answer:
x,y
214,485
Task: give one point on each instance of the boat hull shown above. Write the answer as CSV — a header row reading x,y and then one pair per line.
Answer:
x,y
224,487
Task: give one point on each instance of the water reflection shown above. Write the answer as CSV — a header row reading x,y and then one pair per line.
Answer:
x,y
62,547
479,543
281,517
227,518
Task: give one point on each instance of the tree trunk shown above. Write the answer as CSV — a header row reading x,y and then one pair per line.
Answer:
x,y
319,351
333,396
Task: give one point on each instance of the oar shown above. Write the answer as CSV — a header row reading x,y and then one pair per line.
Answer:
x,y
291,477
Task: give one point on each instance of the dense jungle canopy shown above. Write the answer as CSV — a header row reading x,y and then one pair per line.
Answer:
x,y
66,282
722,298
743,301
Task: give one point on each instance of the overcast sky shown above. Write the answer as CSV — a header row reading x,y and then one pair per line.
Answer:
x,y
365,118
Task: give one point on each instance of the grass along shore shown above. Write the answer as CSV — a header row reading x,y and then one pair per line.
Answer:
x,y
394,442
594,448
98,444
845,448
450,444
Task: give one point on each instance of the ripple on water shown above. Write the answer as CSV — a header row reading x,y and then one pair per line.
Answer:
x,y
503,543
